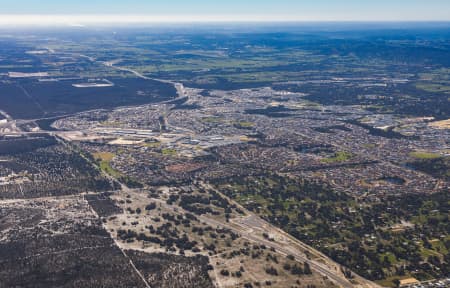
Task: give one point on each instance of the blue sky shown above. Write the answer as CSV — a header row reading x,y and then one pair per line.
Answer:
x,y
308,10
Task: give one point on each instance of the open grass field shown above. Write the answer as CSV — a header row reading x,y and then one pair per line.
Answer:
x,y
424,155
104,159
339,157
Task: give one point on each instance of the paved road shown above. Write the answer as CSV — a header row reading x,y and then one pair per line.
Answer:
x,y
321,268
284,250
253,222
178,86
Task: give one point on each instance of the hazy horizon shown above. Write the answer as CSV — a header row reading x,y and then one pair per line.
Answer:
x,y
83,12
121,20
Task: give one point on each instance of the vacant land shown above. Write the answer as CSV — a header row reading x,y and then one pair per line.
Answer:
x,y
71,249
39,166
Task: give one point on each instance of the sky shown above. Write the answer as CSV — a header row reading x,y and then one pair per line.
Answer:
x,y
86,11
